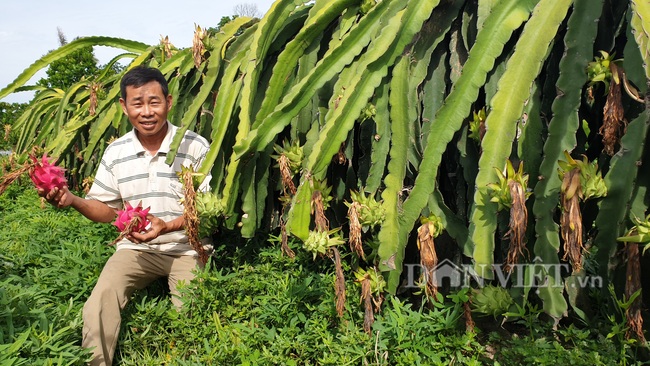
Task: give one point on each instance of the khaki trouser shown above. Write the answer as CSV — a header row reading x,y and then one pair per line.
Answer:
x,y
126,271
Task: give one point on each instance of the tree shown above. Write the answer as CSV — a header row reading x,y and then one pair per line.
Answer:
x,y
247,10
223,21
240,10
69,70
9,112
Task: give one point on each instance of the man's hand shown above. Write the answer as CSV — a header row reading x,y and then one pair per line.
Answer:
x,y
58,198
157,228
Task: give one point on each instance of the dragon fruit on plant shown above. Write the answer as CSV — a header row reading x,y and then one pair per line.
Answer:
x,y
46,175
125,216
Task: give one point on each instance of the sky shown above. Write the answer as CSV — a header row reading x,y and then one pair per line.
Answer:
x,y
28,28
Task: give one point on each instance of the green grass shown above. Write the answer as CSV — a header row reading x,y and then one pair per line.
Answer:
x,y
253,306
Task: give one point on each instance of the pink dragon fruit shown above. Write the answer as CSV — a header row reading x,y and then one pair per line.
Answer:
x,y
125,216
46,175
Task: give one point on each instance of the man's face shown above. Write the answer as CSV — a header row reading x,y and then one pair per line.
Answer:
x,y
147,108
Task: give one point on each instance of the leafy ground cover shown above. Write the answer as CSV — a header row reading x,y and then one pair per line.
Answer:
x,y
253,306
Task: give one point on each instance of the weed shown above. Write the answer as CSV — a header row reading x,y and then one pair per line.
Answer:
x,y
252,305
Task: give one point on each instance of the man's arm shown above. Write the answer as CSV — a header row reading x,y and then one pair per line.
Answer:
x,y
94,210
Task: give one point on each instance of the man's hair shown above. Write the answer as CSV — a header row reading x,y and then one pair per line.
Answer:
x,y
140,75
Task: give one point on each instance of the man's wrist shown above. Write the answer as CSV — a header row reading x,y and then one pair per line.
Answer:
x,y
173,225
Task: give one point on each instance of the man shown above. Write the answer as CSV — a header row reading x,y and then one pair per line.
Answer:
x,y
133,170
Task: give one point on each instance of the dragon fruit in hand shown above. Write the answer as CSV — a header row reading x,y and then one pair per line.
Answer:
x,y
126,216
46,175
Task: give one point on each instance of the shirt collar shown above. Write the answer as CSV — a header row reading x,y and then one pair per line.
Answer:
x,y
164,145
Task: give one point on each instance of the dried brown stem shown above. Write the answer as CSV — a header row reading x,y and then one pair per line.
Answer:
x,y
366,298
518,222
166,45
467,314
339,284
198,48
135,220
286,175
285,240
355,230
428,259
191,217
92,105
614,122
632,285
322,223
11,177
571,221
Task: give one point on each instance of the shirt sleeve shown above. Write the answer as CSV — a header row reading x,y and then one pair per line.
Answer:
x,y
105,188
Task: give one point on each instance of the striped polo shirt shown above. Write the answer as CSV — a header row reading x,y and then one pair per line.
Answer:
x,y
128,173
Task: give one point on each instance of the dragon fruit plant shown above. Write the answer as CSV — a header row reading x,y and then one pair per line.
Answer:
x,y
43,173
47,175
133,217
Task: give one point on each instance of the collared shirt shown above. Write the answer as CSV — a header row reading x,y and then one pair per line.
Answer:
x,y
129,173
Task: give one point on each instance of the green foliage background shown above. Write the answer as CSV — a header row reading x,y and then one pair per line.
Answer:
x,y
254,306
9,112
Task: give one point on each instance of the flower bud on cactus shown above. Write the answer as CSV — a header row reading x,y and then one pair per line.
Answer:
x,y
491,300
210,209
371,212
319,241
125,217
46,175
293,153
